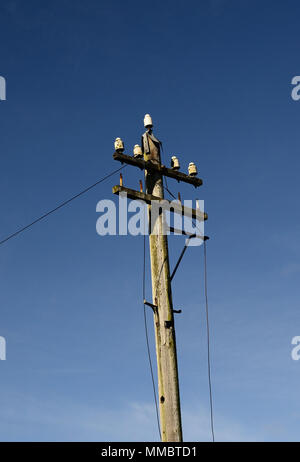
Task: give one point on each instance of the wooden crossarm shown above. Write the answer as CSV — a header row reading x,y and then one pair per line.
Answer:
x,y
174,206
149,165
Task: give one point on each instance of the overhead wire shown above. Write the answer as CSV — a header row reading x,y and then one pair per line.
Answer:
x,y
208,347
146,331
167,188
46,214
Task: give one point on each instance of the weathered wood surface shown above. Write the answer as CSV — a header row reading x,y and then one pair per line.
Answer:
x,y
173,206
156,167
168,384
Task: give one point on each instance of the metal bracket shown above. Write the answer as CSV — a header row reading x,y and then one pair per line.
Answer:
x,y
154,307
186,233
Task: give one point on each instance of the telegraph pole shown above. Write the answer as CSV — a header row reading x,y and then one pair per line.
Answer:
x,y
162,305
168,384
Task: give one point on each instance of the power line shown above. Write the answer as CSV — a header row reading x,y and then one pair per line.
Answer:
x,y
208,347
147,338
60,206
167,188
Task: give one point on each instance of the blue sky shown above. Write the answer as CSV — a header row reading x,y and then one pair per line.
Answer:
x,y
216,77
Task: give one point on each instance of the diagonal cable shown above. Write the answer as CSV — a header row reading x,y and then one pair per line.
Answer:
x,y
20,230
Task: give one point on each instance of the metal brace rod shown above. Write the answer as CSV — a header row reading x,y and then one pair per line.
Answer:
x,y
181,255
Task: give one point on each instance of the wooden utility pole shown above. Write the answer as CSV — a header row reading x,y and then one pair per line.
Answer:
x,y
162,305
168,384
